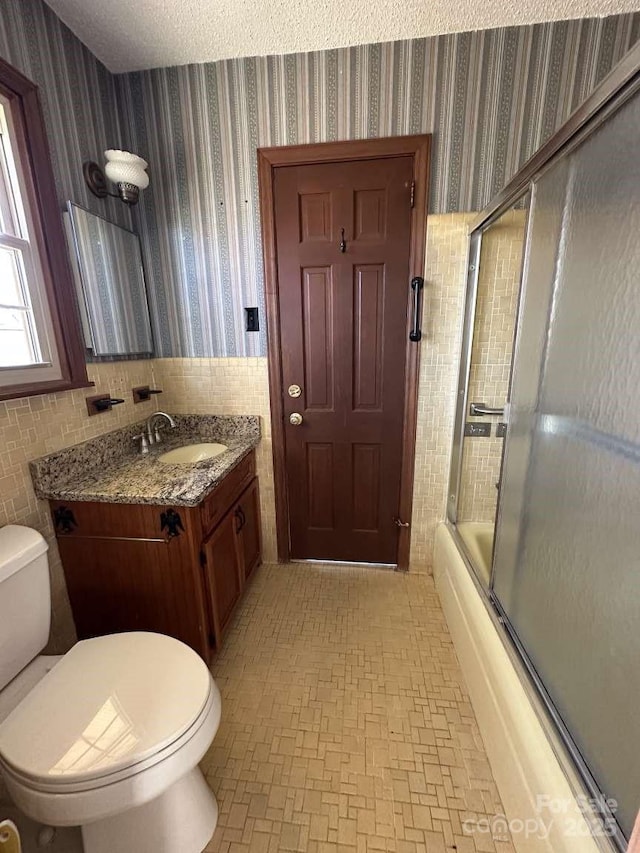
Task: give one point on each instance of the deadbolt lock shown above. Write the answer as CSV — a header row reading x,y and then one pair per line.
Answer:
x,y
294,390
295,419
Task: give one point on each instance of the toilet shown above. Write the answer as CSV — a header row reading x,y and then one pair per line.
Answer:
x,y
107,737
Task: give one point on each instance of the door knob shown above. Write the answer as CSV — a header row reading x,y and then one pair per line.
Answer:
x,y
295,419
294,390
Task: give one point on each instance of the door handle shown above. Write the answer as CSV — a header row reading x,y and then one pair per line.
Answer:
x,y
238,518
417,284
295,419
399,523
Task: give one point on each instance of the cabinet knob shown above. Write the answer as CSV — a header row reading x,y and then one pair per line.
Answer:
x,y
295,419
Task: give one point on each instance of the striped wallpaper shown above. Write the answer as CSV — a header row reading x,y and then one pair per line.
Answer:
x,y
490,98
78,96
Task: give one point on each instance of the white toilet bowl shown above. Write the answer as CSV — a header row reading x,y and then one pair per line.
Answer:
x,y
109,736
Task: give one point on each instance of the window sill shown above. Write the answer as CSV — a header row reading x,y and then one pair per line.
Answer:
x,y
35,389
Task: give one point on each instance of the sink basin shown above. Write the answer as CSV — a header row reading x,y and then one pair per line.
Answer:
x,y
192,453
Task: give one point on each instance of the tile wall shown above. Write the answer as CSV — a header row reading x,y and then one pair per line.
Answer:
x,y
445,279
33,426
496,307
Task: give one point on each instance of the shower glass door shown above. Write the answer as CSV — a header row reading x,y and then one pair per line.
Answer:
x,y
494,302
567,559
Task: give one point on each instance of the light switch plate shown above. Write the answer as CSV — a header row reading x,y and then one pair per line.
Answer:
x,y
253,323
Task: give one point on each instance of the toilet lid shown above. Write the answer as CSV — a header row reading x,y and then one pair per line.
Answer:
x,y
111,702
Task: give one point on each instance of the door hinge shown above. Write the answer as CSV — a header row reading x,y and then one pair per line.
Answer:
x,y
412,202
203,559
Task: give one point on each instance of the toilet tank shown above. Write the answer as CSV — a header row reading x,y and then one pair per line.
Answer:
x,y
25,599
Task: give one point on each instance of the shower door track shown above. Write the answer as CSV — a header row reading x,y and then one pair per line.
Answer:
x,y
606,823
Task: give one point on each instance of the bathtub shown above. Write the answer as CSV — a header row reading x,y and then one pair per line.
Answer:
x,y
478,539
537,791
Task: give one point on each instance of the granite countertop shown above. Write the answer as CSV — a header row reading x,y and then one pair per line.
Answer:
x,y
109,469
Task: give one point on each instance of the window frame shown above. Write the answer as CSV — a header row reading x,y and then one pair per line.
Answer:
x,y
48,241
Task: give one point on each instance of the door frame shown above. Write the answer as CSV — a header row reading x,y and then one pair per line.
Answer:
x,y
270,159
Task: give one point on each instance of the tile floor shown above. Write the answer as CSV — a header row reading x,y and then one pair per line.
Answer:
x,y
346,725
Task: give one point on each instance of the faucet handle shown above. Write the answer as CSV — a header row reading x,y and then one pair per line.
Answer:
x,y
144,443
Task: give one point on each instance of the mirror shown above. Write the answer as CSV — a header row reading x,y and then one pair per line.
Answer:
x,y
110,281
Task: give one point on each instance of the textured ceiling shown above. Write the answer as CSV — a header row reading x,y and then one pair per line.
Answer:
x,y
131,34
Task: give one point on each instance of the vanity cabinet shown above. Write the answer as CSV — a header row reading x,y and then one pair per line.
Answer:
x,y
221,558
250,530
172,569
230,554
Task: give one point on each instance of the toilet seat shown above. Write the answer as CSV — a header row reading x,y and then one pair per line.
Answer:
x,y
113,725
78,786
104,708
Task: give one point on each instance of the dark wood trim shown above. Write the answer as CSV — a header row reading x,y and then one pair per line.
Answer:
x,y
33,389
267,214
49,237
269,159
333,152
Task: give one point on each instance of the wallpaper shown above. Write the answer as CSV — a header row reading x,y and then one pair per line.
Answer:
x,y
78,96
490,98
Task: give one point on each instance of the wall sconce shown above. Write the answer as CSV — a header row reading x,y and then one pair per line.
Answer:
x,y
126,170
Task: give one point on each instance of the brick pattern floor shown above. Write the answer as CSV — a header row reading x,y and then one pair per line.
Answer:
x,y
346,725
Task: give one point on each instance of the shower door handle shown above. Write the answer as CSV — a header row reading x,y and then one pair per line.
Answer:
x,y
482,409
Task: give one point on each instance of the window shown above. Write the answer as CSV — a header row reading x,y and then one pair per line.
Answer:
x,y
26,338
40,342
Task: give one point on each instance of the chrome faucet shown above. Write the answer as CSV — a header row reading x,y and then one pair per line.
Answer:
x,y
153,432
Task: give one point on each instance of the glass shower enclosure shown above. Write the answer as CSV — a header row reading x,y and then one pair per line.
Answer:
x,y
563,571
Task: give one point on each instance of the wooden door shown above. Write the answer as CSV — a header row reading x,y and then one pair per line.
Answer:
x,y
222,565
343,240
248,509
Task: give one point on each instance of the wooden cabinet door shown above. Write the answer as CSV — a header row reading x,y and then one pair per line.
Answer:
x,y
248,511
136,585
222,563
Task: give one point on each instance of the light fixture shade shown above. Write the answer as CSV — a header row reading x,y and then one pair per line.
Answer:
x,y
125,168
